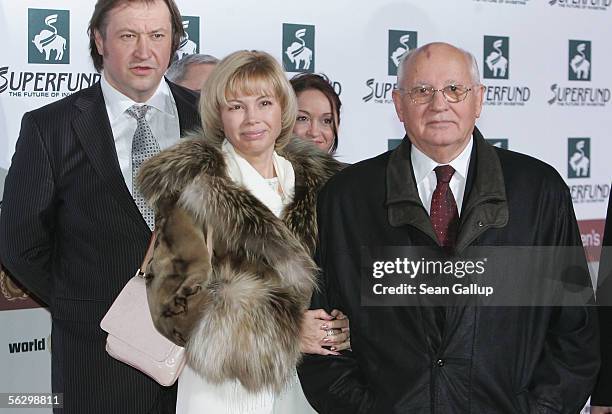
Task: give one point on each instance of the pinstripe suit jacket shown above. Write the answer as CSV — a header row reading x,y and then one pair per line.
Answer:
x,y
72,234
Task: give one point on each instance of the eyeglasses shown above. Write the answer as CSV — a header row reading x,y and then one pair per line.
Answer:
x,y
425,94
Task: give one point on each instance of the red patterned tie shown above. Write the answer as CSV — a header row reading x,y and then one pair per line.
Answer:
x,y
443,213
444,219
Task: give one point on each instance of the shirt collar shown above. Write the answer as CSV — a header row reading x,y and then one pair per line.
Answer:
x,y
117,103
422,165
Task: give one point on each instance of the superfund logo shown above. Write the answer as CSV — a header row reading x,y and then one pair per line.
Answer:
x,y
580,92
378,89
298,47
49,35
43,84
496,69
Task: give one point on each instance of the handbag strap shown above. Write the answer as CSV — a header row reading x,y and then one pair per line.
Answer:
x,y
147,258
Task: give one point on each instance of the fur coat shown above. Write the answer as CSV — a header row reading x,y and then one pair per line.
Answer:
x,y
228,280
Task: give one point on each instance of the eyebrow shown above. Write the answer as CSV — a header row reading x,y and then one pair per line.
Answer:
x,y
258,98
323,114
129,29
446,82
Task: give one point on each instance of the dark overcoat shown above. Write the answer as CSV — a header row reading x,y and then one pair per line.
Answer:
x,y
486,360
602,395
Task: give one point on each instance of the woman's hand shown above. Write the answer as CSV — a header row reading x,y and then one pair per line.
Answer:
x,y
324,333
601,410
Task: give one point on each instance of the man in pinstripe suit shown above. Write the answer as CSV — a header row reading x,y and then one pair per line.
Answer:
x,y
70,229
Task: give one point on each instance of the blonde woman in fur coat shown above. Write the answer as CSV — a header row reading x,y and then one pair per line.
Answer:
x,y
231,275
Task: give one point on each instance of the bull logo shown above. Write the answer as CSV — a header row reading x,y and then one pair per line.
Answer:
x,y
188,44
579,157
49,41
399,52
400,43
496,57
298,53
580,60
298,48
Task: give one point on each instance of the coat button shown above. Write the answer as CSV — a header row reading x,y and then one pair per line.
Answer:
x,y
480,223
440,362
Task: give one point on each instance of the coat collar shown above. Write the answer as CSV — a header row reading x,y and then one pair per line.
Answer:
x,y
93,129
485,204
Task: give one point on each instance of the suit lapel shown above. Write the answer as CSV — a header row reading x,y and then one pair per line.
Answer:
x,y
93,130
186,107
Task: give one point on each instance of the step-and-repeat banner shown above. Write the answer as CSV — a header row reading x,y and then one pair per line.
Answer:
x,y
545,63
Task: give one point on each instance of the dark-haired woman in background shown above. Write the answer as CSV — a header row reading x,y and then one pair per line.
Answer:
x,y
318,111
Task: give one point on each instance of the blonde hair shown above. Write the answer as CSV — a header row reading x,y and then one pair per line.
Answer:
x,y
247,73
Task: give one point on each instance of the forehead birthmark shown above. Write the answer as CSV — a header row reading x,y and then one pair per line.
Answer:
x,y
426,51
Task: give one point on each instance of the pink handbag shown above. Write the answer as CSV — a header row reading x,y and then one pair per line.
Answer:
x,y
133,339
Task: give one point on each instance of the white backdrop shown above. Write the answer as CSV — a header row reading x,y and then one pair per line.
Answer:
x,y
540,105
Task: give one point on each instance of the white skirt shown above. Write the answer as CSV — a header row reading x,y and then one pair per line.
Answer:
x,y
198,396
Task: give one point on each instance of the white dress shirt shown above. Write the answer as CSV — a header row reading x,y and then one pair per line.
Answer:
x,y
426,180
162,118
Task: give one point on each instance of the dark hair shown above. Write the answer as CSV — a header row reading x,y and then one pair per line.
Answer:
x,y
98,22
306,81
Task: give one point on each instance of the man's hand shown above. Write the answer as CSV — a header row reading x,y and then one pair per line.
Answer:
x,y
601,410
323,333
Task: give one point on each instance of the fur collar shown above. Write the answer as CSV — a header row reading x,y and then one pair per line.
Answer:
x,y
164,177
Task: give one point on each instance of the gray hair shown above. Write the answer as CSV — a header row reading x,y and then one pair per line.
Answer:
x,y
406,57
177,71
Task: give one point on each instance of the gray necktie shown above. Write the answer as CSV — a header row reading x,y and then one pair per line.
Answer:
x,y
144,146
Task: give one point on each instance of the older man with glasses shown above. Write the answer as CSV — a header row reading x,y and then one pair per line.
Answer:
x,y
446,189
